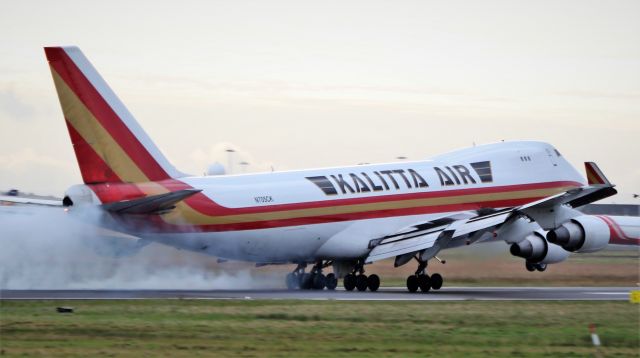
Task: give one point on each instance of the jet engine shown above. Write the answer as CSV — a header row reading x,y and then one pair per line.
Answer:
x,y
536,249
585,233
79,195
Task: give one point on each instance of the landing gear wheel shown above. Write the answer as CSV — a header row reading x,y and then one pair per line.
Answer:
x,y
318,281
530,267
361,282
306,281
293,281
373,282
541,267
436,281
331,282
412,283
424,282
349,282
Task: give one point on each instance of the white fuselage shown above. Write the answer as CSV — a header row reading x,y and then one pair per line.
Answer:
x,y
336,214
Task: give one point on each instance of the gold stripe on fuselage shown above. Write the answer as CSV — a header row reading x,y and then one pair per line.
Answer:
x,y
185,215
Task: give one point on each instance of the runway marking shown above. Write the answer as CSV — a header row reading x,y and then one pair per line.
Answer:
x,y
608,293
385,294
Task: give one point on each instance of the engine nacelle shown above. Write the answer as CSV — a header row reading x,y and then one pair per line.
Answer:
x,y
80,195
535,249
585,233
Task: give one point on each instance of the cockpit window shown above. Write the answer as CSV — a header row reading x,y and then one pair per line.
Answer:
x,y
557,153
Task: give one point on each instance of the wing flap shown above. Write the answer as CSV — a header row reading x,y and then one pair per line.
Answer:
x,y
402,246
481,223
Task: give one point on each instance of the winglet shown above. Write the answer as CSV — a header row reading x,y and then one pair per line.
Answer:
x,y
594,174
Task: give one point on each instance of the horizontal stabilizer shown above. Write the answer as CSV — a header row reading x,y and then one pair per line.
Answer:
x,y
29,201
155,204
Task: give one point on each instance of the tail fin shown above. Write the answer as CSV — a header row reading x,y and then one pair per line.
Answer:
x,y
595,175
110,145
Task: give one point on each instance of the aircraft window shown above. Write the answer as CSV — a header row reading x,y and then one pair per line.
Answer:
x,y
557,153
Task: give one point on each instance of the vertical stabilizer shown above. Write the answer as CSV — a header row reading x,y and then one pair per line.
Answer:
x,y
109,144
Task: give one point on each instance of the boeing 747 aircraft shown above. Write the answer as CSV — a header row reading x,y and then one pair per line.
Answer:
x,y
523,193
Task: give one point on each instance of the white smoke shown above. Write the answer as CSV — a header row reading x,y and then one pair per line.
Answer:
x,y
47,248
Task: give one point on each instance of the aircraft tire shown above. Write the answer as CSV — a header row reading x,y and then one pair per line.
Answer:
x,y
349,282
361,282
436,281
529,266
373,282
319,281
412,283
306,281
424,282
332,282
293,281
541,267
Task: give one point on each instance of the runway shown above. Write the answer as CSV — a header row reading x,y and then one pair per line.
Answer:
x,y
384,294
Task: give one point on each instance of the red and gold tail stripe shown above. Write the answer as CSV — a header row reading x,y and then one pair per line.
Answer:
x,y
97,131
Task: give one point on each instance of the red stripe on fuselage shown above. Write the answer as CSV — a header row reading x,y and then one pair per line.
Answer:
x,y
97,105
157,225
617,235
204,204
201,202
207,206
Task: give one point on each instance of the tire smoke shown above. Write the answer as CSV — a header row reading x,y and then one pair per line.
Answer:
x,y
47,248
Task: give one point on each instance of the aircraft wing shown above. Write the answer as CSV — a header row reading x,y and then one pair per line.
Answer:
x,y
429,239
426,239
28,201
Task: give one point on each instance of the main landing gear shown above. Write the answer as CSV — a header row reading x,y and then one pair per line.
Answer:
x,y
535,267
313,280
420,280
316,280
358,280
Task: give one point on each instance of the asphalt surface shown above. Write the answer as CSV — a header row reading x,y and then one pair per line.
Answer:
x,y
384,294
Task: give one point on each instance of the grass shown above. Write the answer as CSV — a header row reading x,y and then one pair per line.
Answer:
x,y
187,328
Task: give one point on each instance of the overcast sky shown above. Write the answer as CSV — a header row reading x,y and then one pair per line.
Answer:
x,y
298,84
